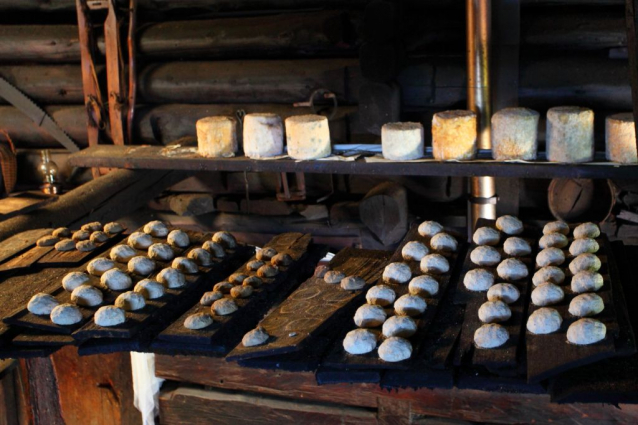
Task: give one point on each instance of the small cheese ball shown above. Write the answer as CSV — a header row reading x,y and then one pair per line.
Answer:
x,y
586,281
85,246
141,266
333,277
66,315
547,294
237,278
409,305
198,321
171,278
512,269
509,225
583,246
185,265
201,257
434,264
484,255
403,326
178,239
92,227
74,279
585,262
544,321
381,295
414,251
397,273
478,280
486,236
223,287
130,301
254,265
424,286
267,270
494,312
281,260
360,341
586,305
47,241
65,245
428,229
352,283
98,237
61,232
210,297
395,349
257,336
556,227
139,240
553,240
516,247
150,289
160,252
116,280
550,257
266,254
42,304
253,281
586,331
215,249
586,230
369,316
225,239
98,266
490,335
109,315
241,291
505,292
549,274
224,307
113,228
444,243
87,296
81,235
122,253
156,229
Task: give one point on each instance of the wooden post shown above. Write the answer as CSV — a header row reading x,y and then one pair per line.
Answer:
x,y
114,74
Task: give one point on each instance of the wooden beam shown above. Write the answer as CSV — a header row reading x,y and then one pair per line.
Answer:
x,y
114,74
103,199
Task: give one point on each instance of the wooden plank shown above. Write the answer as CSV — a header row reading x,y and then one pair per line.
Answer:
x,y
19,242
151,157
196,406
22,203
551,354
339,358
321,302
26,259
55,258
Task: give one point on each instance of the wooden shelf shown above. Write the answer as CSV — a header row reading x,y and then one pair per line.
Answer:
x,y
152,157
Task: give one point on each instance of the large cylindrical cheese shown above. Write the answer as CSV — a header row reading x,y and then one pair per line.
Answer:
x,y
620,138
263,135
514,134
308,137
454,135
570,134
402,141
217,136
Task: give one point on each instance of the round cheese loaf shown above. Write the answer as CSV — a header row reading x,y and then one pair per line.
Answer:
x,y
570,134
454,135
395,349
360,341
263,135
514,134
216,136
308,137
620,138
255,337
544,321
403,326
402,141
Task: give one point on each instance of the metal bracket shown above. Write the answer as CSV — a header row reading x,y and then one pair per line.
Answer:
x,y
324,94
286,193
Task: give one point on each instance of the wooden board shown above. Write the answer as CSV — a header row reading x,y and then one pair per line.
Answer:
x,y
339,358
26,259
226,331
548,355
321,302
55,258
30,338
20,242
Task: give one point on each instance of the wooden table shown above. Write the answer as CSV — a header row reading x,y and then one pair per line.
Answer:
x,y
234,394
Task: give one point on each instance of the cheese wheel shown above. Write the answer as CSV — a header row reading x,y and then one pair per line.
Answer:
x,y
620,138
401,141
514,134
263,135
308,137
570,134
216,136
454,135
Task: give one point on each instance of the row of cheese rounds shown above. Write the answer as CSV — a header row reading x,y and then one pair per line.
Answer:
x,y
307,136
569,137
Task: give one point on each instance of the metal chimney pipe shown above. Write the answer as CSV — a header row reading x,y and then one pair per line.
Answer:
x,y
482,189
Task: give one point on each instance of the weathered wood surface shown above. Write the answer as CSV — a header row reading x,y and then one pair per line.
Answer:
x,y
469,405
104,199
197,406
22,203
19,242
59,84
